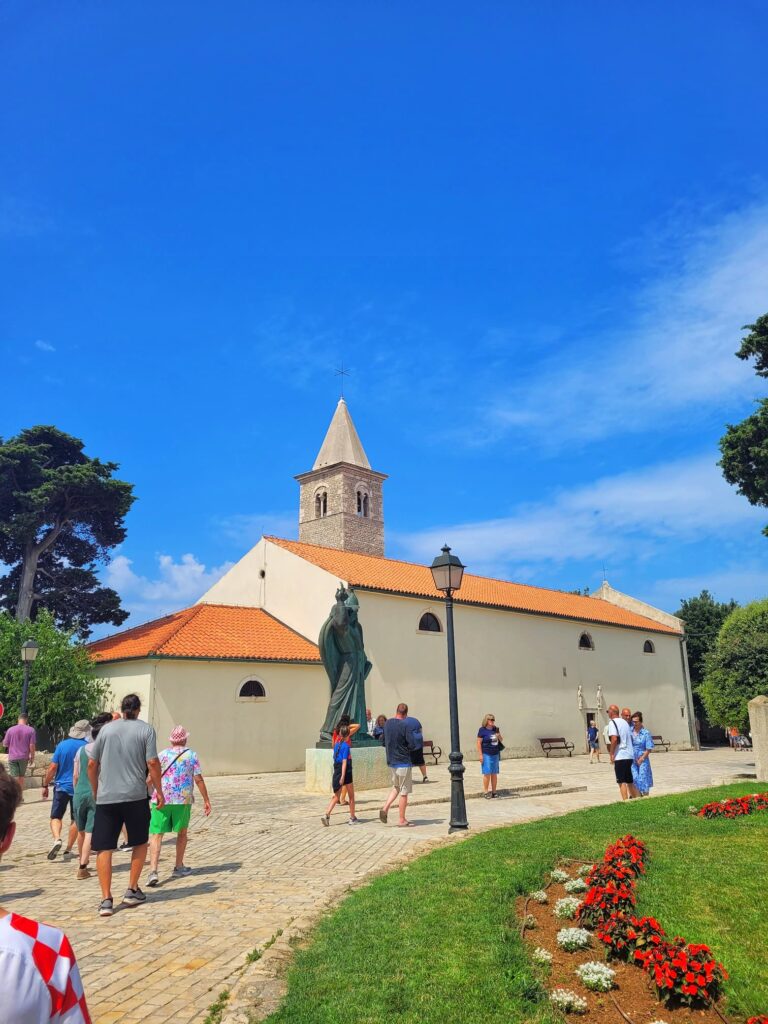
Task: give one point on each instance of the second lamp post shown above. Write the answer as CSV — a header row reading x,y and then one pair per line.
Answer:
x,y
447,572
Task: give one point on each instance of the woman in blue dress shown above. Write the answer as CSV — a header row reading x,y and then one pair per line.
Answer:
x,y
642,742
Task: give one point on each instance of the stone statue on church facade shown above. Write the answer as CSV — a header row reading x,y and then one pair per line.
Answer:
x,y
342,652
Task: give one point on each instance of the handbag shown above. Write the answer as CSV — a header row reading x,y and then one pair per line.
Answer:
x,y
501,746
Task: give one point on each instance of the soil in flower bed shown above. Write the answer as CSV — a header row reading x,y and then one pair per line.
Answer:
x,y
632,988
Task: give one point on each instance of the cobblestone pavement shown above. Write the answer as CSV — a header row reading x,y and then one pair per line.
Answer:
x,y
262,860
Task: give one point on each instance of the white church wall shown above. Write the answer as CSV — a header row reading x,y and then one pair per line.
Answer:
x,y
124,677
241,736
243,584
297,593
270,577
512,664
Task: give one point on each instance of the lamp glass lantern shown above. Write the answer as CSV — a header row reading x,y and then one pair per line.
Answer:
x,y
29,651
447,571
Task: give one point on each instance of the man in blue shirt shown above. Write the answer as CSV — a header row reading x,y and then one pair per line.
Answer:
x,y
60,771
402,735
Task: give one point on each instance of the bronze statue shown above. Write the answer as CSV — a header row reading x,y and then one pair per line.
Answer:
x,y
343,655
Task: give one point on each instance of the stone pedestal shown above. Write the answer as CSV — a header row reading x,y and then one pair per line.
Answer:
x,y
369,769
758,728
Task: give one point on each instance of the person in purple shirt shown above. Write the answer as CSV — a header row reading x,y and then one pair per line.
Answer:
x,y
20,742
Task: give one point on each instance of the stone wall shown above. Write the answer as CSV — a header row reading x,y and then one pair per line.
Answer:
x,y
36,771
342,527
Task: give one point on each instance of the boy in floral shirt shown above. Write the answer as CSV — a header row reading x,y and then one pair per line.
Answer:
x,y
181,772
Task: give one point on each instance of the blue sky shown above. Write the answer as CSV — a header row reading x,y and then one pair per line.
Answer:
x,y
532,230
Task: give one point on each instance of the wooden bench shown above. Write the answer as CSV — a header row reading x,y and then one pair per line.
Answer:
x,y
433,751
549,743
659,741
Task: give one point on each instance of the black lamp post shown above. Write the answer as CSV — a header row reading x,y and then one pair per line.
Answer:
x,y
28,654
447,572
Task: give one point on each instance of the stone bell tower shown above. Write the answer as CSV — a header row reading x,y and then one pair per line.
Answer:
x,y
341,501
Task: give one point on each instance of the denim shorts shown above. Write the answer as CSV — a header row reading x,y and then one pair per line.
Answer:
x,y
490,764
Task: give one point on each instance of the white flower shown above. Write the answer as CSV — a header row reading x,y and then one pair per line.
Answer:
x,y
567,906
576,885
571,939
567,1001
596,976
539,896
558,875
530,921
542,956
584,870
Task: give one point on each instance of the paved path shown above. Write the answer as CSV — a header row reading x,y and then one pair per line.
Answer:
x,y
262,860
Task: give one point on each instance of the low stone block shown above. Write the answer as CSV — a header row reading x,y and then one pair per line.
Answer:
x,y
369,766
758,730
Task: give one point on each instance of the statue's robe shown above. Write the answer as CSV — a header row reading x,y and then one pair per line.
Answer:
x,y
343,655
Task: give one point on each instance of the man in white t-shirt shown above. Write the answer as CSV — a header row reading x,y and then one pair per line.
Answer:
x,y
622,754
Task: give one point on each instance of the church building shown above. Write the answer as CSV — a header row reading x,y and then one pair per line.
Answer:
x,y
241,669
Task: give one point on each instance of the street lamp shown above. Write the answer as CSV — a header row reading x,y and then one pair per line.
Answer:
x,y
447,572
28,654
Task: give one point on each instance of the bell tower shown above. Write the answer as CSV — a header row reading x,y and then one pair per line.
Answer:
x,y
340,499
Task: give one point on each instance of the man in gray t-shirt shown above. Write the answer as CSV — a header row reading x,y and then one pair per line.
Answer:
x,y
121,757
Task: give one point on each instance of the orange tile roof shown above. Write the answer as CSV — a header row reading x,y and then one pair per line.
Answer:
x,y
371,572
209,631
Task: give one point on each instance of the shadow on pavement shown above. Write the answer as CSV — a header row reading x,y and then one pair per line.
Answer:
x,y
8,897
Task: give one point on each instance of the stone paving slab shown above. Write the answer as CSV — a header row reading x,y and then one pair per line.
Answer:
x,y
263,862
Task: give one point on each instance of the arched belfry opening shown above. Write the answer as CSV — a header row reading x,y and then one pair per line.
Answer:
x,y
341,503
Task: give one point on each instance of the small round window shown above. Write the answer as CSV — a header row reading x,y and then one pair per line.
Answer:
x,y
586,643
253,689
429,623
648,647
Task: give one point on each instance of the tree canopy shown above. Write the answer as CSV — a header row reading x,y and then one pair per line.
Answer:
x,y
703,617
60,514
737,667
62,685
744,446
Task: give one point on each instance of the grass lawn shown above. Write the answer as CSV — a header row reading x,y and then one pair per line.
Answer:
x,y
437,942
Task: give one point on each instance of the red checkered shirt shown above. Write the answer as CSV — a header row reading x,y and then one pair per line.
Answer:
x,y
39,979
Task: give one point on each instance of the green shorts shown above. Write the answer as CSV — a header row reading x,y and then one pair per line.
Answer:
x,y
18,769
84,812
170,818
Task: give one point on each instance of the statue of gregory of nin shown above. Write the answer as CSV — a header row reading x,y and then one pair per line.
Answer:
x,y
343,655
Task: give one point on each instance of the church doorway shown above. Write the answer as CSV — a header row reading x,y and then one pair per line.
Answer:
x,y
590,718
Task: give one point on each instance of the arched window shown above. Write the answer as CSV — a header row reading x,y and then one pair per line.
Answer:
x,y
321,504
252,689
362,504
648,647
586,643
429,623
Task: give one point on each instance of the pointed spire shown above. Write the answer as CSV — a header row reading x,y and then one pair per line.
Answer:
x,y
341,443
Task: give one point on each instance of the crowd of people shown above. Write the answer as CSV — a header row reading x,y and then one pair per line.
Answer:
x,y
108,775
402,736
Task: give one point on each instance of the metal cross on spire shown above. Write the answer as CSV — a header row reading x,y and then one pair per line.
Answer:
x,y
342,373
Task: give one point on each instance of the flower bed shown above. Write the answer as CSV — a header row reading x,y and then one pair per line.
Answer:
x,y
735,807
683,974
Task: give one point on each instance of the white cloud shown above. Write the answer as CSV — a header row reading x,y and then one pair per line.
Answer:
x,y
177,585
672,355
44,346
743,583
631,513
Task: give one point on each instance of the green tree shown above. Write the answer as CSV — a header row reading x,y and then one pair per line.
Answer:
x,y
703,617
62,683
60,514
744,446
737,667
